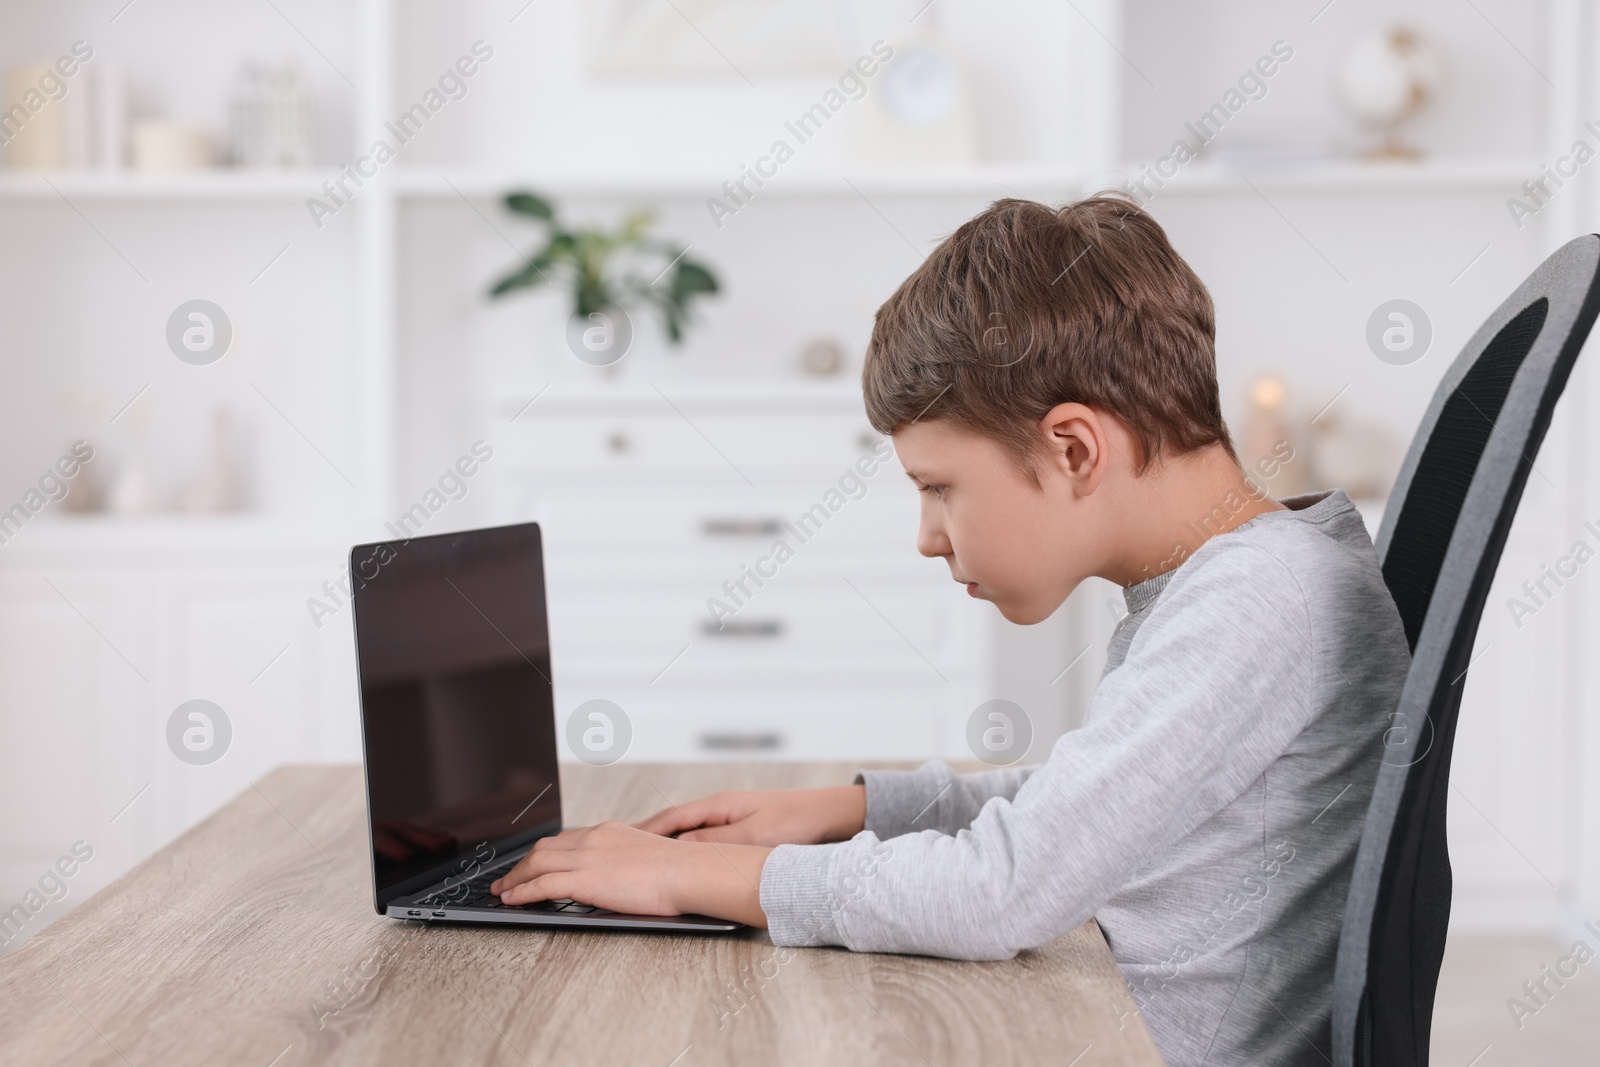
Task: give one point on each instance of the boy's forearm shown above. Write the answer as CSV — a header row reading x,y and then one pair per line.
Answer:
x,y
724,881
846,807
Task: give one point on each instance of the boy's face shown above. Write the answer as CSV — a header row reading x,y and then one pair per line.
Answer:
x,y
1022,546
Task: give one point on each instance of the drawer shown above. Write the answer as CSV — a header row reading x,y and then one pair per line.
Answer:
x,y
811,622
717,440
819,723
874,514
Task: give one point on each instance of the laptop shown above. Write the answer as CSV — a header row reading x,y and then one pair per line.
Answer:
x,y
458,728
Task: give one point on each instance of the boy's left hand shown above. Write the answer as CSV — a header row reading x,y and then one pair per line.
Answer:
x,y
633,871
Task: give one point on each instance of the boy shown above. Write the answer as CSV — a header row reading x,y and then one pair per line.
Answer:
x,y
1049,380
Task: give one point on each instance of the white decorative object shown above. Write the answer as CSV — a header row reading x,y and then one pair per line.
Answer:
x,y
36,126
130,493
110,88
86,491
270,121
822,357
1270,449
922,89
919,113
218,486
1383,81
1362,458
162,145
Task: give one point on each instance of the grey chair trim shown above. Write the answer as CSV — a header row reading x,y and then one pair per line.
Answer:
x,y
1392,939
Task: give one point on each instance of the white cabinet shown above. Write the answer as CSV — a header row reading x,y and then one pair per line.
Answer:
x,y
71,705
106,627
737,571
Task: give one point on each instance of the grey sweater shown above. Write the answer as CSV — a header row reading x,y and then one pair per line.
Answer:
x,y
1207,813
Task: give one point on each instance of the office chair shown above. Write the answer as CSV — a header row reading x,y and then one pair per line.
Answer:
x,y
1440,542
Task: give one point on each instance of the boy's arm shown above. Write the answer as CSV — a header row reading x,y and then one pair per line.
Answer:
x,y
1213,689
933,797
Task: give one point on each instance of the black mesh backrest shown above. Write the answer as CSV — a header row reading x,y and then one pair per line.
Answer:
x,y
1449,460
1441,541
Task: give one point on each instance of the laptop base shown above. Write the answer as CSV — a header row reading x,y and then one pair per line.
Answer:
x,y
535,916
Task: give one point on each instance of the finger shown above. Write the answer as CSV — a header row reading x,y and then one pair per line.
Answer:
x,y
558,885
515,875
536,866
529,865
732,833
716,810
566,839
662,822
679,817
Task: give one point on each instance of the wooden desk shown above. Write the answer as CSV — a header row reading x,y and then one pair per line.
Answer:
x,y
252,941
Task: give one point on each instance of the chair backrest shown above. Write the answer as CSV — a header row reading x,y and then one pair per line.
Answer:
x,y
1441,540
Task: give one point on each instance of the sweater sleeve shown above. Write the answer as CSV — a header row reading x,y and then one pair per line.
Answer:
x,y
1215,685
933,797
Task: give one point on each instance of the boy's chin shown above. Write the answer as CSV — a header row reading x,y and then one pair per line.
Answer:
x,y
1020,613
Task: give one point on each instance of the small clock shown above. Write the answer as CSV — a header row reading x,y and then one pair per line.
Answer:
x,y
921,88
920,113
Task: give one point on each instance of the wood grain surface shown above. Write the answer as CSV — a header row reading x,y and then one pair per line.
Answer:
x,y
252,940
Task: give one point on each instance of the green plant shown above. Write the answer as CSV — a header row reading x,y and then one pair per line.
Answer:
x,y
607,270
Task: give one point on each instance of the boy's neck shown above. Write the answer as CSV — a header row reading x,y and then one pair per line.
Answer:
x,y
1179,505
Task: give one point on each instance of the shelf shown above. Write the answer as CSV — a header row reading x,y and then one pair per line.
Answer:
x,y
189,185
1349,176
1332,175
1041,182
234,539
636,396
1057,181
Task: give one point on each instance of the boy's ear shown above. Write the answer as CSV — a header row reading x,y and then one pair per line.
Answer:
x,y
1078,443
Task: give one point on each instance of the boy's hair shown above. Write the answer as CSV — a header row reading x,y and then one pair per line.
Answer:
x,y
1025,307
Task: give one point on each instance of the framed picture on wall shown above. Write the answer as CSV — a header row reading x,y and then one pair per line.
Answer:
x,y
710,38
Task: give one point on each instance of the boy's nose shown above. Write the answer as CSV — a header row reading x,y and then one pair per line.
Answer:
x,y
932,543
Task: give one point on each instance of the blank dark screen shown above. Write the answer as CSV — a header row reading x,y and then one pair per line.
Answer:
x,y
456,702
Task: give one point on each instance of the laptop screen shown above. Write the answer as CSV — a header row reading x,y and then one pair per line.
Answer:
x,y
458,719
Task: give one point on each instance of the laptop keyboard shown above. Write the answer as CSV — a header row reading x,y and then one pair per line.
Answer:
x,y
475,894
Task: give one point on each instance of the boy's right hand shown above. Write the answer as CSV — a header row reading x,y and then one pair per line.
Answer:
x,y
766,817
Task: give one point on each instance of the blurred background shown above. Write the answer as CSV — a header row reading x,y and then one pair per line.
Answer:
x,y
246,259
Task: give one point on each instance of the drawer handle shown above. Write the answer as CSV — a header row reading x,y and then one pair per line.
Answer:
x,y
742,527
743,628
727,742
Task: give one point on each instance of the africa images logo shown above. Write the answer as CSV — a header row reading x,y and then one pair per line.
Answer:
x,y
199,732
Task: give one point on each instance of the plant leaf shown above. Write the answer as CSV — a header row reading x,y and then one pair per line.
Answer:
x,y
582,261
563,246
593,295
690,278
531,204
536,270
529,277
634,227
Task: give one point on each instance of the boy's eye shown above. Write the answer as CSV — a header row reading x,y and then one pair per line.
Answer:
x,y
936,490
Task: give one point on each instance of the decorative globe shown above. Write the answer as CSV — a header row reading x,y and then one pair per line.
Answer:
x,y
1384,80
